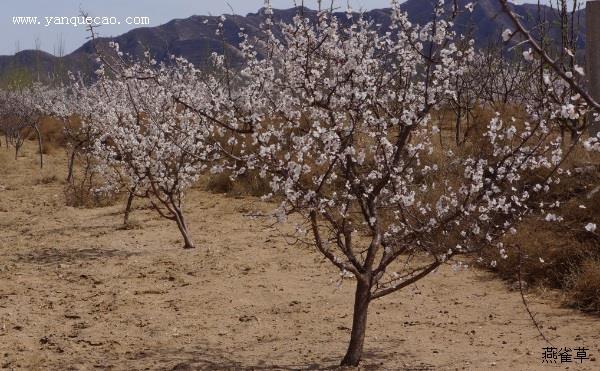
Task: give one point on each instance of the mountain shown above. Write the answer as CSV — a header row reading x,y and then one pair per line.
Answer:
x,y
194,37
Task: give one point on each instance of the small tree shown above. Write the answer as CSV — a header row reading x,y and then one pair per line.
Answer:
x,y
142,139
21,110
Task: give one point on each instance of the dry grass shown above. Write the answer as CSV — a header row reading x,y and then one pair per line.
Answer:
x,y
85,196
250,184
584,290
48,179
52,133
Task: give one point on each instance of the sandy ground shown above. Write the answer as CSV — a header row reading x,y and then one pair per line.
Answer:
x,y
77,292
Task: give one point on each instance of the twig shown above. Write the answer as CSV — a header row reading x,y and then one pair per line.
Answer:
x,y
525,304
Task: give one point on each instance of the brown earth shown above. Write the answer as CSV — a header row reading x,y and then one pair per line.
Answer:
x,y
78,292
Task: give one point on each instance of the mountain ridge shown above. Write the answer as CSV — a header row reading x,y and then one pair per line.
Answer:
x,y
194,37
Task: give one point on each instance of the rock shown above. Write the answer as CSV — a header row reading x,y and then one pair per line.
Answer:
x,y
246,318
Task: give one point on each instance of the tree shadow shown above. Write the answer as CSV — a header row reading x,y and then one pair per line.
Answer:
x,y
200,359
70,229
50,256
203,358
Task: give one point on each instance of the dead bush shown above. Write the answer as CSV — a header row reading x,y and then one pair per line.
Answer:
x,y
584,288
52,131
48,148
544,256
249,184
219,183
52,135
83,196
82,186
48,179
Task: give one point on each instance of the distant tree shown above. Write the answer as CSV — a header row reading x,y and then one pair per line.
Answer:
x,y
141,139
567,77
21,111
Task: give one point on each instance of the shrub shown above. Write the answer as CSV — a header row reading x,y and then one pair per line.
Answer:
x,y
249,184
219,183
48,179
52,131
584,290
84,196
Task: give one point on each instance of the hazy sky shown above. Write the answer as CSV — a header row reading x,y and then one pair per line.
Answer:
x,y
20,37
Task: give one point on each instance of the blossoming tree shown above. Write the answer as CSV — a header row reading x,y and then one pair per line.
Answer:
x,y
21,111
143,141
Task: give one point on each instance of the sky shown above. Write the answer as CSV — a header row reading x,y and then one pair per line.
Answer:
x,y
55,38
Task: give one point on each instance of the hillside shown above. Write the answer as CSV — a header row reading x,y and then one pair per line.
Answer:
x,y
194,37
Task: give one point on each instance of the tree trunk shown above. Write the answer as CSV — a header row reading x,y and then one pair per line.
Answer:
x,y
128,208
188,243
70,165
359,323
39,135
458,122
